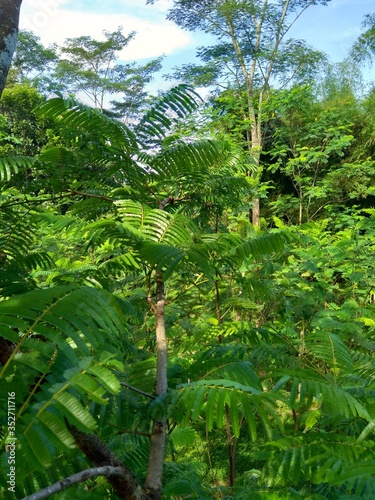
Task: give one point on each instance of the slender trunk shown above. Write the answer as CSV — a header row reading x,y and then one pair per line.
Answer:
x,y
231,448
217,305
256,148
153,483
256,212
9,19
256,125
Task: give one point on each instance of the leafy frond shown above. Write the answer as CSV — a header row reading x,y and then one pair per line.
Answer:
x,y
174,105
77,116
265,244
55,333
17,257
319,459
183,437
308,386
10,165
183,162
68,317
330,348
66,400
211,399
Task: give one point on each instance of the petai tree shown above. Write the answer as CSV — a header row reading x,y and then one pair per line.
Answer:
x,y
137,206
158,344
150,335
252,52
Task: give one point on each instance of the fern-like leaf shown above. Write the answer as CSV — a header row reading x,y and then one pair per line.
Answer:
x,y
209,398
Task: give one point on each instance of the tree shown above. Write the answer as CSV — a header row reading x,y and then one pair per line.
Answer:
x,y
155,342
90,67
33,63
270,352
363,49
255,32
310,144
17,106
9,15
160,242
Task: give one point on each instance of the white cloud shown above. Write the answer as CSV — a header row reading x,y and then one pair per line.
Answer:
x,y
54,23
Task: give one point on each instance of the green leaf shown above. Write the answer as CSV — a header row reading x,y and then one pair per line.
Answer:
x,y
74,411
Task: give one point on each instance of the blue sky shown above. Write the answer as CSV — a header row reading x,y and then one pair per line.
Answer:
x,y
331,29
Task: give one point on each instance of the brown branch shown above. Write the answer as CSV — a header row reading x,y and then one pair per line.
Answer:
x,y
39,200
163,203
151,304
170,200
70,192
126,486
132,388
90,195
84,475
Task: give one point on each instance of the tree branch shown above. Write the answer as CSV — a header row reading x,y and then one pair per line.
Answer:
x,y
70,193
38,200
125,485
124,384
107,471
89,195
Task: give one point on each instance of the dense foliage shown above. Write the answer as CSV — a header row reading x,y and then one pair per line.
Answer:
x,y
147,326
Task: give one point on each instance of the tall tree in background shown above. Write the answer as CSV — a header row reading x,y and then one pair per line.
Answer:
x,y
253,47
87,67
33,63
91,67
9,16
363,49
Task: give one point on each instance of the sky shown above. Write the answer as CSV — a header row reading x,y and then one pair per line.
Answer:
x,y
331,29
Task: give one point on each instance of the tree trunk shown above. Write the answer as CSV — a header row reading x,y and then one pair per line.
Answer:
x,y
153,484
9,18
256,148
231,449
256,212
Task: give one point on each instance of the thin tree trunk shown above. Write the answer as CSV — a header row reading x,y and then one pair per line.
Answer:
x,y
217,304
256,212
231,448
153,483
9,19
256,148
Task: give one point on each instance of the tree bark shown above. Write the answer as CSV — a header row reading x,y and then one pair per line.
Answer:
x,y
153,483
9,19
231,445
125,485
80,477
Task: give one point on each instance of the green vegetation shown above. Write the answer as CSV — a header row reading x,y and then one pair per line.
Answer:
x,y
151,330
